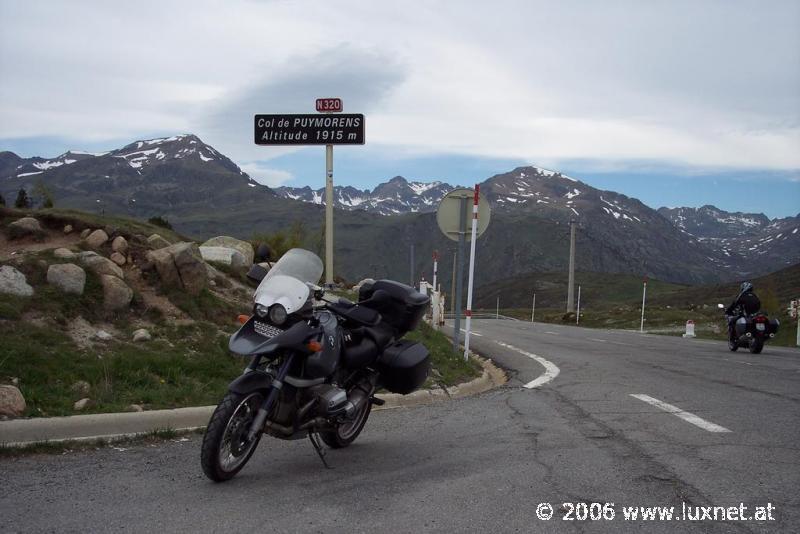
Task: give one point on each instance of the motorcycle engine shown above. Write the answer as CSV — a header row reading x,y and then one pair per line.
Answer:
x,y
332,401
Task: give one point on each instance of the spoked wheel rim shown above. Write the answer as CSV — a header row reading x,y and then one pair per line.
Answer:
x,y
349,429
234,447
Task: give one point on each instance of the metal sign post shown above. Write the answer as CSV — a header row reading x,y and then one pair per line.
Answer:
x,y
451,216
473,239
309,129
329,215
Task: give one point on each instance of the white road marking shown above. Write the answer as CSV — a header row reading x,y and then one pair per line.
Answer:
x,y
686,416
472,333
550,369
554,333
595,339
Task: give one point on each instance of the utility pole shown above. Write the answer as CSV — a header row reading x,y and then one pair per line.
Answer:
x,y
329,215
571,282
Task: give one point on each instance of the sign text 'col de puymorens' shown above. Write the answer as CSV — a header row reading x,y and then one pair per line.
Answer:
x,y
340,129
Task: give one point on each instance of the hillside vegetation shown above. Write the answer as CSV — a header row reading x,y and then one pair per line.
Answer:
x,y
81,352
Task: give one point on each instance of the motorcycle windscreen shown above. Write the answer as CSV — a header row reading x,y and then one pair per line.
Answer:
x,y
287,281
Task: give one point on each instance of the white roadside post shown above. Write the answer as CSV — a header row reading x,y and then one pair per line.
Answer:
x,y
497,309
435,268
533,307
578,314
472,271
644,296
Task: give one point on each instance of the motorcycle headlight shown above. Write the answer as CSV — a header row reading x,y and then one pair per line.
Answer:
x,y
277,314
261,311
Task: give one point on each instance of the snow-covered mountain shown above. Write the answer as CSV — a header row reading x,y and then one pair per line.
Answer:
x,y
751,239
394,197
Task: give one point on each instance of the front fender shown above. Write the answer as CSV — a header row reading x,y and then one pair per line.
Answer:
x,y
251,382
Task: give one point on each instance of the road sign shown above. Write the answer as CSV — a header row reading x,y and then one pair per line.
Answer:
x,y
329,105
344,129
448,216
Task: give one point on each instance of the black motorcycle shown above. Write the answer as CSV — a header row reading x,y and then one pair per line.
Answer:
x,y
315,363
750,330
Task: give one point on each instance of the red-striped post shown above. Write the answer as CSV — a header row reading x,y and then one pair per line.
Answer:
x,y
473,239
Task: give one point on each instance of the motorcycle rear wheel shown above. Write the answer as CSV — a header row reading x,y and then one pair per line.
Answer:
x,y
756,345
347,432
732,345
225,448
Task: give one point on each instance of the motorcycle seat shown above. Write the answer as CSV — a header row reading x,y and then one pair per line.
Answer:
x,y
381,334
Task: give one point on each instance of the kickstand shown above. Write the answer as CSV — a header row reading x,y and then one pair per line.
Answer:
x,y
317,447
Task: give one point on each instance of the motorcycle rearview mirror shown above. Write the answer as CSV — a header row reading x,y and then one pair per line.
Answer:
x,y
257,273
318,291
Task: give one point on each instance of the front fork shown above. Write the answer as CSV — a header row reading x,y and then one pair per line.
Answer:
x,y
272,396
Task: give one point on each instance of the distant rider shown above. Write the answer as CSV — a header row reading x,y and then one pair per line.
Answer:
x,y
746,303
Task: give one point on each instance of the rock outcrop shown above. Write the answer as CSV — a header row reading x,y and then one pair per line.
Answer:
x,y
26,226
116,293
13,282
67,277
155,241
180,266
224,255
12,403
97,239
245,248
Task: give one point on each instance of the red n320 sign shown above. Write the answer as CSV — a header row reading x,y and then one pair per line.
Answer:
x,y
328,105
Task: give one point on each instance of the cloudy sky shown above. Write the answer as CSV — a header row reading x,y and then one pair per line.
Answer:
x,y
676,103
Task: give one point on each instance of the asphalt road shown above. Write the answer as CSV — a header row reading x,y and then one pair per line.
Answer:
x,y
479,464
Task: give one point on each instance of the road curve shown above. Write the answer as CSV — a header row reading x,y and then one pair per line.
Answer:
x,y
590,434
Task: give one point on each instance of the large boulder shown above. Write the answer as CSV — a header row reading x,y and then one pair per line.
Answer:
x,y
64,254
24,227
97,239
224,255
231,242
13,282
118,258
156,242
191,267
120,244
12,403
181,266
68,277
100,265
116,293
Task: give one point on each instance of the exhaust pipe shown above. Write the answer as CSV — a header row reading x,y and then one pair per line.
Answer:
x,y
772,335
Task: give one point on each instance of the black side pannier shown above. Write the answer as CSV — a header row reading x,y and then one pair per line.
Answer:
x,y
403,308
404,366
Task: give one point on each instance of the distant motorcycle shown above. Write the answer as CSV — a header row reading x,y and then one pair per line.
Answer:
x,y
751,331
315,364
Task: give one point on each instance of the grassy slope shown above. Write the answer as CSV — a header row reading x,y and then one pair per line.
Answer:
x,y
183,365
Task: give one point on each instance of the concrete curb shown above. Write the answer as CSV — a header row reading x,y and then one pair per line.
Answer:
x,y
118,426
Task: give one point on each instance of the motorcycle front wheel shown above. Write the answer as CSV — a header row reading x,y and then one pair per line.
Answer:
x,y
226,448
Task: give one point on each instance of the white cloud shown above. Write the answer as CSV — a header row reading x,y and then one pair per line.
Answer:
x,y
263,174
698,84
